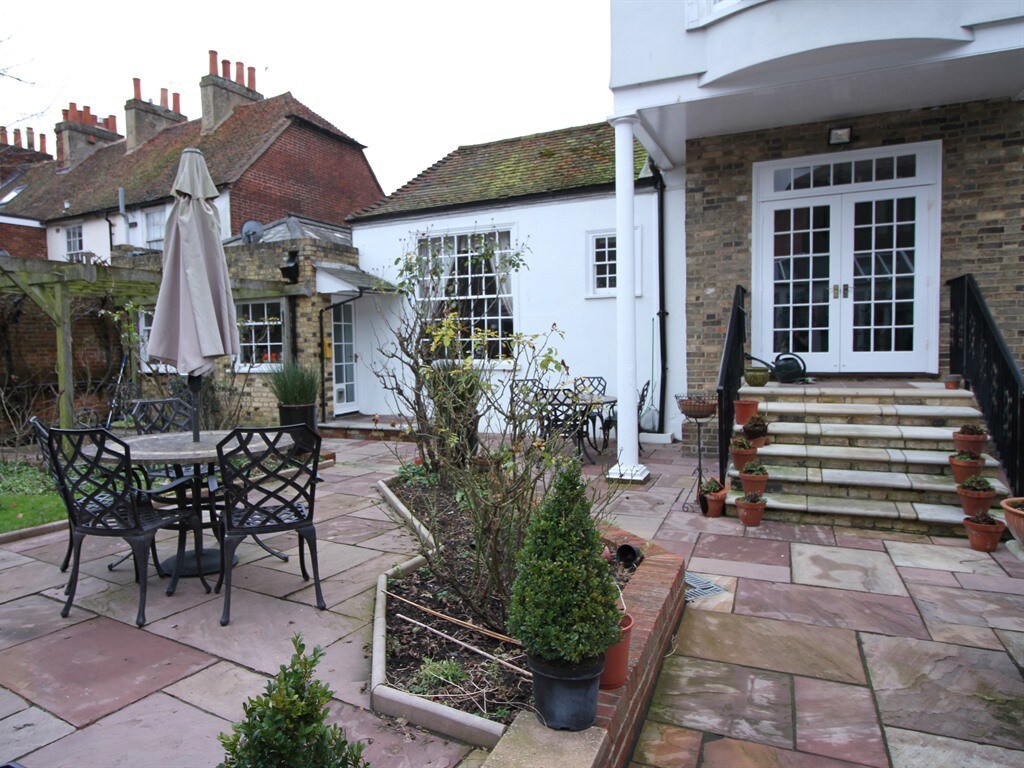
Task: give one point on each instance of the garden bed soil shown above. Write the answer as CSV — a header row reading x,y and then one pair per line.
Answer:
x,y
488,689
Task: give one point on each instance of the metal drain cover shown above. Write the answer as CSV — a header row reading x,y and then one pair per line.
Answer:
x,y
700,588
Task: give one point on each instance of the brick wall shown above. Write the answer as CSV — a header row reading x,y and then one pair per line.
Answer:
x,y
23,242
308,173
261,262
982,213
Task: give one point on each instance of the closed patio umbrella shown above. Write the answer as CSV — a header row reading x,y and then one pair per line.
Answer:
x,y
194,322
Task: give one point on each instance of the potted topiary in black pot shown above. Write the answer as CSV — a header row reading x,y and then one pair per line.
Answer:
x,y
564,605
295,388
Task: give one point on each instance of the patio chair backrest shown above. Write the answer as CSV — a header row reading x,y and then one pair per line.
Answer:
x,y
563,412
93,470
269,477
590,386
169,414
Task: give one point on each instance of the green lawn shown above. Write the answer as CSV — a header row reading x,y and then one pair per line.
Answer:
x,y
27,498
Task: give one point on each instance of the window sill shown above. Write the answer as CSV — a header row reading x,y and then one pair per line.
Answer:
x,y
257,367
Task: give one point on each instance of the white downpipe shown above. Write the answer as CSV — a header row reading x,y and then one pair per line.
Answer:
x,y
628,467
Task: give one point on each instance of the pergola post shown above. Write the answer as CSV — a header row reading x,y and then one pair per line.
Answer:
x,y
65,363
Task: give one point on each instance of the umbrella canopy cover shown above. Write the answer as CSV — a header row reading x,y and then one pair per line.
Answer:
x,y
194,322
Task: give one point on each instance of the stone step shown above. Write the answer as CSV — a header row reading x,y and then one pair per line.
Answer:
x,y
896,436
862,513
871,459
812,412
865,485
905,395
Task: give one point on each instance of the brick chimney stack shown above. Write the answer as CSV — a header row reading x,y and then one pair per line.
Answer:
x,y
144,120
221,96
17,137
81,133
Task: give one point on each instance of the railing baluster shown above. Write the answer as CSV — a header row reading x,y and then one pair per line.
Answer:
x,y
730,373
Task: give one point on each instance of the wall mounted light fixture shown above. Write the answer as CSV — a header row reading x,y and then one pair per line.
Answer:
x,y
837,136
290,267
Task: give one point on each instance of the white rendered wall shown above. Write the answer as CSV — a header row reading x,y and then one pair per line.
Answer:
x,y
551,290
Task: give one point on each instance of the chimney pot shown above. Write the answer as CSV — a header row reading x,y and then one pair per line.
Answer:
x,y
239,73
3,134
30,138
73,112
112,124
225,69
163,98
17,137
176,102
87,117
137,84
252,78
42,143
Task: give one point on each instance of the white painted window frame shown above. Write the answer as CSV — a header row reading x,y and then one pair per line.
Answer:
x,y
74,235
155,222
590,289
245,341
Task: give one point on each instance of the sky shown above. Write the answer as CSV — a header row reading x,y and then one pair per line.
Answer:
x,y
410,79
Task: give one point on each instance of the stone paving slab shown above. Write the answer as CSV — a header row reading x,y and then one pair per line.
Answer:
x,y
166,731
942,558
10,703
971,607
220,689
667,746
743,549
732,753
912,749
838,721
32,616
968,693
28,730
94,668
725,699
782,646
852,569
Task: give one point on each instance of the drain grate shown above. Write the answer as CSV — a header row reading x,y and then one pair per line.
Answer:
x,y
700,588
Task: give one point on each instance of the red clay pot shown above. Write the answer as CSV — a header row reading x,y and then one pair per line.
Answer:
x,y
750,513
975,502
1014,517
616,658
740,456
759,442
964,469
744,410
716,502
974,443
754,483
984,537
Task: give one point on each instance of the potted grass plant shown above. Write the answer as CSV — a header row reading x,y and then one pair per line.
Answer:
x,y
751,508
976,494
564,607
295,387
964,464
714,493
984,531
754,476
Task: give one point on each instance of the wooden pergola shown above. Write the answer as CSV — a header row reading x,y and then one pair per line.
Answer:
x,y
51,285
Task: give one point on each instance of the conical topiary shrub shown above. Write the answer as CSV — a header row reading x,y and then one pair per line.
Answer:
x,y
564,606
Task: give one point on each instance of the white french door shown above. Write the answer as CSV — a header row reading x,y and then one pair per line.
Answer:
x,y
344,369
846,271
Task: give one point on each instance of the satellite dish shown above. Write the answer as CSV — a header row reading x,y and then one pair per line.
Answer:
x,y
252,232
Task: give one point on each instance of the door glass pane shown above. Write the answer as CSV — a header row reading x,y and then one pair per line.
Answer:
x,y
795,296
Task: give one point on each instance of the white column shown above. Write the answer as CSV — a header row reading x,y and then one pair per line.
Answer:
x,y
627,430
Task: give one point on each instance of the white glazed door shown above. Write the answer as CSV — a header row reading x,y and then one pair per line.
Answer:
x,y
344,369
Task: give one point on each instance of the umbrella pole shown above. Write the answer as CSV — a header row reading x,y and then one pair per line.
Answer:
x,y
195,384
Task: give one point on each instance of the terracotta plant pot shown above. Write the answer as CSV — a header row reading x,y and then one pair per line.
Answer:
x,y
964,469
744,410
984,537
975,502
716,502
759,442
740,456
974,443
1014,517
750,513
754,483
616,658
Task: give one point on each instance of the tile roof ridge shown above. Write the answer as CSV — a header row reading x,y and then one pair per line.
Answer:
x,y
408,186
510,139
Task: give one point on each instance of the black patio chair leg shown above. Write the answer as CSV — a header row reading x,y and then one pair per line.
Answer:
x,y
76,540
67,555
302,557
228,548
179,559
140,548
197,534
266,547
309,535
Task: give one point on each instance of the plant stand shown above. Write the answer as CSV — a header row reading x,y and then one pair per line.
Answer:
x,y
698,411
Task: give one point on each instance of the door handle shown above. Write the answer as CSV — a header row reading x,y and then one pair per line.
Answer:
x,y
835,291
846,291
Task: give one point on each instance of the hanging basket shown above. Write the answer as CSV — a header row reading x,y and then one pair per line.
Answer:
x,y
697,406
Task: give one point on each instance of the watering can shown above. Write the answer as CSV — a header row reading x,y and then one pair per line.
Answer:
x,y
787,369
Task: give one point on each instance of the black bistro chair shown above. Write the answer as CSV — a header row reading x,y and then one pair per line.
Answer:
x,y
566,415
269,479
103,498
611,420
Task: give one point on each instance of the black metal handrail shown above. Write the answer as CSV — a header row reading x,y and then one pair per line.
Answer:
x,y
730,374
978,352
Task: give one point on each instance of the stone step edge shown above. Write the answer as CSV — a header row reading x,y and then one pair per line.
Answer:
x,y
863,431
885,410
858,453
938,514
811,391
895,481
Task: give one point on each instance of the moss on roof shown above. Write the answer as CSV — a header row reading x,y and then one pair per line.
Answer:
x,y
148,173
570,159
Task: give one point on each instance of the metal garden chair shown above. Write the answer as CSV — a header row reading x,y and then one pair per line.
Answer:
x,y
269,482
103,498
